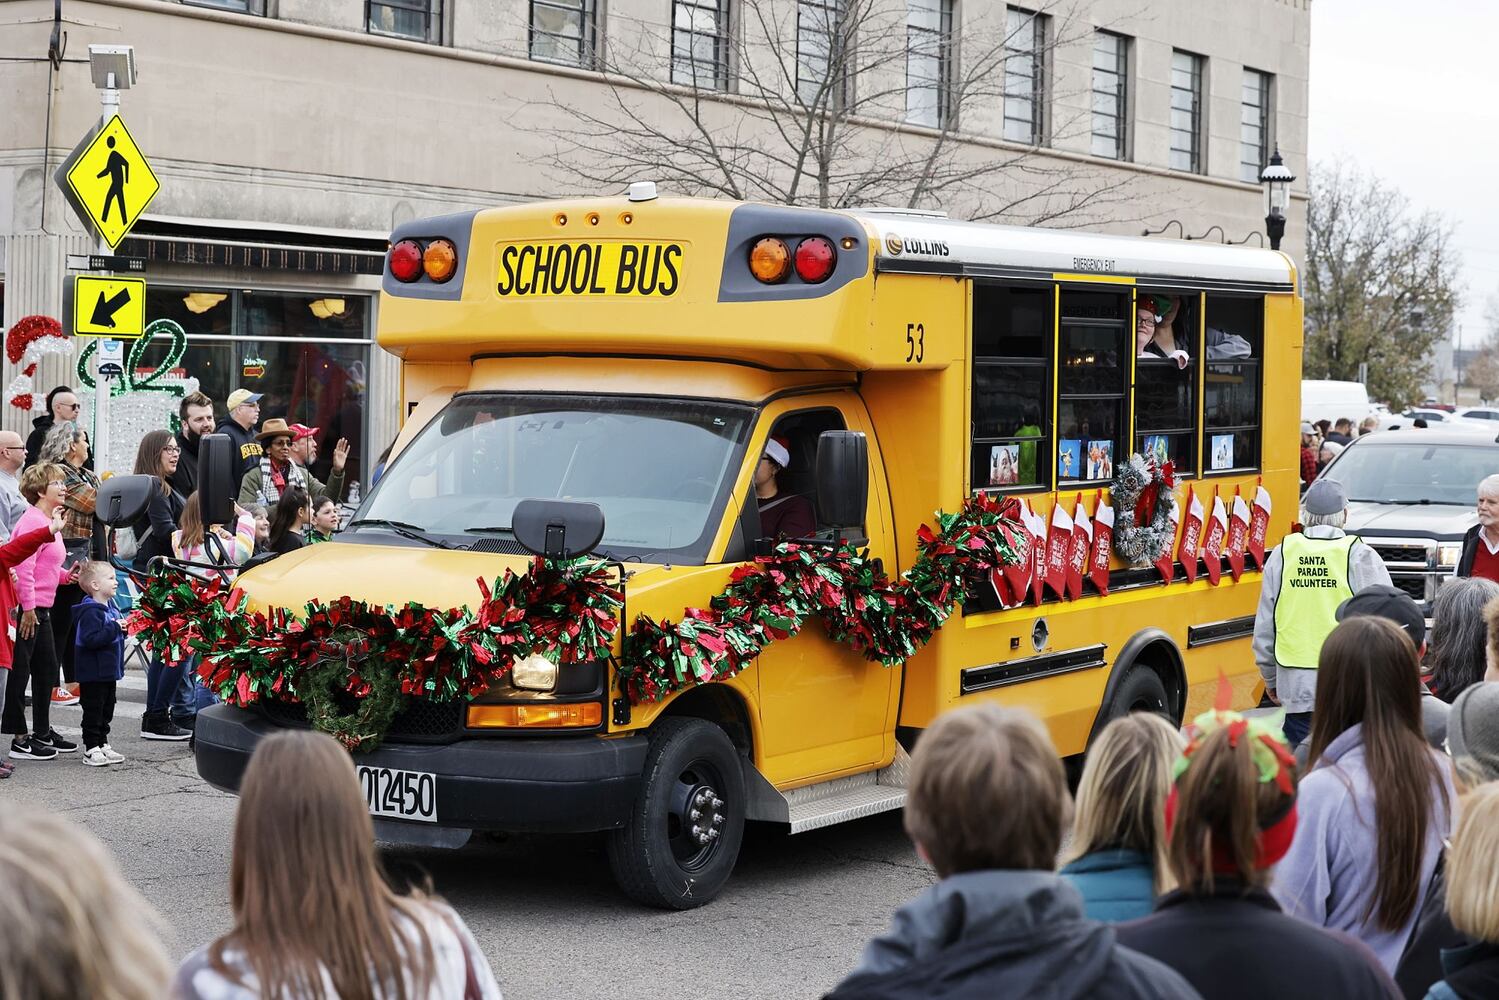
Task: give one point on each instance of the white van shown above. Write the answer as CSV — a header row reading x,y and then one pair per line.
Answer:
x,y
1324,399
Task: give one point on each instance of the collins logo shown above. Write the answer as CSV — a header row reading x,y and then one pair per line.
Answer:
x,y
926,248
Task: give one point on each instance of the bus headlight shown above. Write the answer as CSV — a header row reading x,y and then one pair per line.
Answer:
x,y
534,673
1448,555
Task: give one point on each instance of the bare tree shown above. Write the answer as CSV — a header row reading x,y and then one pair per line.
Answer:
x,y
839,103
1381,284
1482,373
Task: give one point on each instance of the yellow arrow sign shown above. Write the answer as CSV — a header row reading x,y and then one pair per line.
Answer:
x,y
109,307
111,181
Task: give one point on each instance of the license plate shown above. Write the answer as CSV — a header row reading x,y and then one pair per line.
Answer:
x,y
401,794
599,267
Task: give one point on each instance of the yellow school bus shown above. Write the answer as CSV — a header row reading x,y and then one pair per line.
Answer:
x,y
640,352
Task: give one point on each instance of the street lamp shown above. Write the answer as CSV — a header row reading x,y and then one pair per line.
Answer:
x,y
1277,180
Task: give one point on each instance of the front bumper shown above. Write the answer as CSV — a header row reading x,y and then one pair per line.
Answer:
x,y
561,784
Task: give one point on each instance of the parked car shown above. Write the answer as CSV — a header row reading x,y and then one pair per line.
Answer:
x,y
1412,497
1479,413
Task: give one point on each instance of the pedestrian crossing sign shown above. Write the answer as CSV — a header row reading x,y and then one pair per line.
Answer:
x,y
108,181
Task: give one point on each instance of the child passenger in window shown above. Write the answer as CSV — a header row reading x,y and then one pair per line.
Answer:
x,y
1156,336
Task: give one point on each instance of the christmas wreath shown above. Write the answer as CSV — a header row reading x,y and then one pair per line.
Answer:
x,y
1144,500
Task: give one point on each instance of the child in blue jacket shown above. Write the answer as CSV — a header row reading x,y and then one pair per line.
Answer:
x,y
99,659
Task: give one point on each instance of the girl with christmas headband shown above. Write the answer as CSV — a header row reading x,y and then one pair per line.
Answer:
x,y
1231,816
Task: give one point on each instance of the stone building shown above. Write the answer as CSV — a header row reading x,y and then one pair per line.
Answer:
x,y
290,136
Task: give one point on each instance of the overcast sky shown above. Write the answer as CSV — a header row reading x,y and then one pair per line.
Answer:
x,y
1411,92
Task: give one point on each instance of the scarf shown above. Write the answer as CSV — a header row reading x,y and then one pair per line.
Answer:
x,y
273,483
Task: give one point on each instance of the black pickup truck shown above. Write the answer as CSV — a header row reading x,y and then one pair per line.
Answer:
x,y
1411,495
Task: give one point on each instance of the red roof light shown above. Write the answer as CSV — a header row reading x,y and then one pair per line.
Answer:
x,y
406,260
815,259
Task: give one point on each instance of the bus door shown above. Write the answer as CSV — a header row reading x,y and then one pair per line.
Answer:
x,y
824,707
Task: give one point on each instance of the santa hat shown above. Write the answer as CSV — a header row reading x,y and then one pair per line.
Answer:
x,y
777,449
27,342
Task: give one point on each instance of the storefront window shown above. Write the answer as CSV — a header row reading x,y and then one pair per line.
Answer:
x,y
307,354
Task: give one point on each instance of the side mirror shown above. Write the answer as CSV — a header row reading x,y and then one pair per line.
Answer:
x,y
218,479
121,500
558,529
842,478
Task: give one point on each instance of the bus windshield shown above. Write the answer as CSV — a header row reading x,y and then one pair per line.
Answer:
x,y
1413,473
657,467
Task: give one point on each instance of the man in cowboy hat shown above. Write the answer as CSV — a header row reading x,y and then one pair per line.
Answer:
x,y
278,469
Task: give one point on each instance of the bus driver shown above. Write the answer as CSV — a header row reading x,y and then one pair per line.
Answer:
x,y
782,515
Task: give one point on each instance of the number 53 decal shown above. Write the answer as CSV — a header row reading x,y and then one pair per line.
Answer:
x,y
915,342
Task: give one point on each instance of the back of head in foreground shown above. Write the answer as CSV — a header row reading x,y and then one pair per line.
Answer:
x,y
1472,875
73,927
306,887
986,805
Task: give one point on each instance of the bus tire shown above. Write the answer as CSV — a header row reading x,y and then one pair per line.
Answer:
x,y
666,856
1140,690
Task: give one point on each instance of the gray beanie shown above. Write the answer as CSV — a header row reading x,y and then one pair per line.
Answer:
x,y
1473,728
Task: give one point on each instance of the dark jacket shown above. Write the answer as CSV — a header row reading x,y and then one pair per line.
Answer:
x,y
1116,885
161,515
185,479
1237,945
1421,962
1472,974
39,428
98,641
1004,934
289,542
1470,551
245,444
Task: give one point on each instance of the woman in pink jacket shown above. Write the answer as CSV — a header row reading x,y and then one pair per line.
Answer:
x,y
37,579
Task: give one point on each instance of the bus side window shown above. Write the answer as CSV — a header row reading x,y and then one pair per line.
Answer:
x,y
1232,382
1165,391
1011,433
1096,337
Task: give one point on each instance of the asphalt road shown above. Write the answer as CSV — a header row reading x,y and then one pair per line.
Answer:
x,y
790,923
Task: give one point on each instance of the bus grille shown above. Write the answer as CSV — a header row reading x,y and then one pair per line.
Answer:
x,y
420,721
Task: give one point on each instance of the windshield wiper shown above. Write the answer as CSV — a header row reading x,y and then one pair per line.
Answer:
x,y
403,529
492,527
1413,503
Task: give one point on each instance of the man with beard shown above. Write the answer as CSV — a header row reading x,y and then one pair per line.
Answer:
x,y
196,413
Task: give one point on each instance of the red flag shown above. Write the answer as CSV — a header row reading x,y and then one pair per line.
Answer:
x,y
1103,543
1238,535
1035,526
1191,536
1212,542
1166,563
1259,523
1077,552
1058,541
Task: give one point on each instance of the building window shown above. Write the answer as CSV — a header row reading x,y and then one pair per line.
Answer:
x,y
929,62
1110,95
241,6
821,70
1186,112
700,43
1010,445
417,19
307,353
563,31
1254,125
1025,76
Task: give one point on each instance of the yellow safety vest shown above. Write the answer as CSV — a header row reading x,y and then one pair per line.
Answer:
x,y
1314,580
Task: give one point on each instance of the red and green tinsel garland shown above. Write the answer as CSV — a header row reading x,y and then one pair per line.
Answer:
x,y
374,657
887,621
